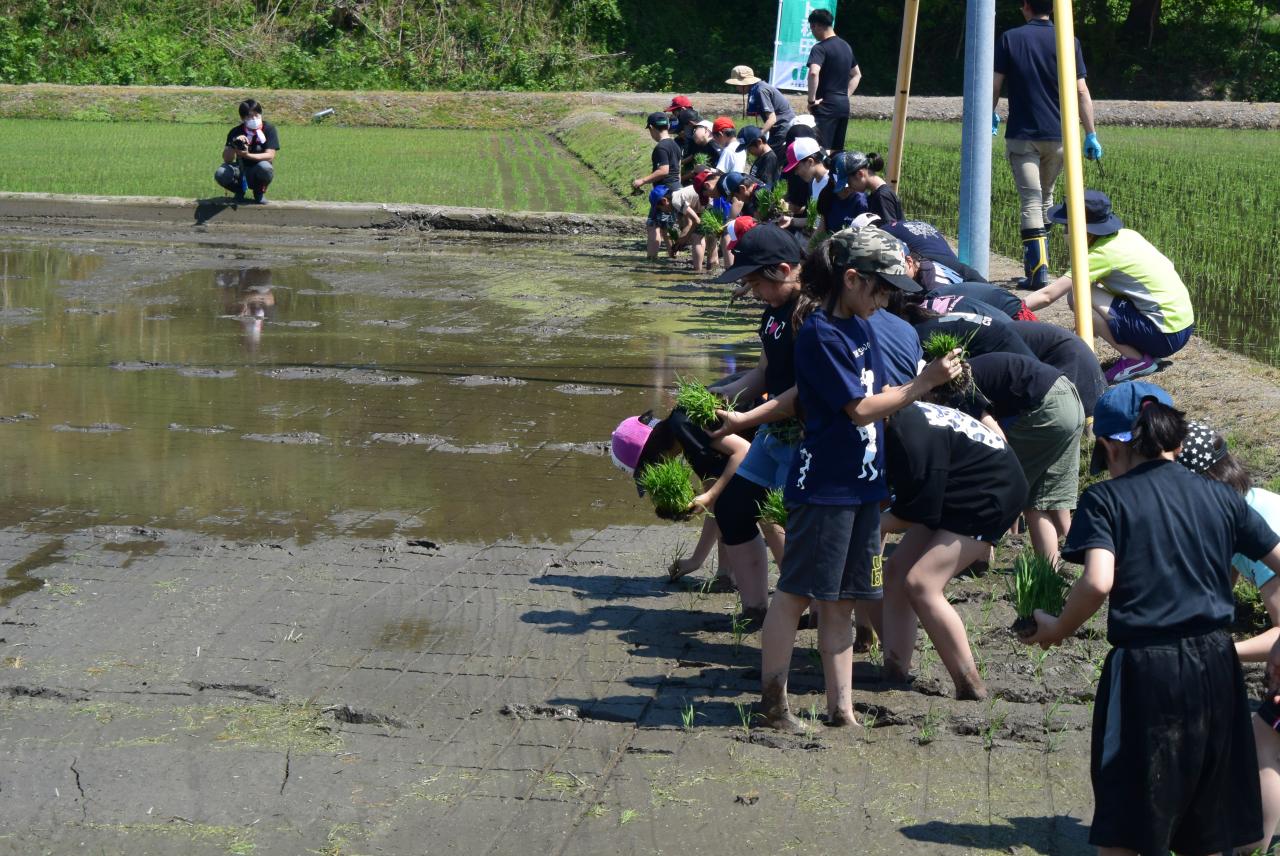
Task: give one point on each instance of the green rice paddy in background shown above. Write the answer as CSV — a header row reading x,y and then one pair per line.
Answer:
x,y
513,170
1208,198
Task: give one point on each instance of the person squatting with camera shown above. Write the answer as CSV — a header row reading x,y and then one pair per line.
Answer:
x,y
248,156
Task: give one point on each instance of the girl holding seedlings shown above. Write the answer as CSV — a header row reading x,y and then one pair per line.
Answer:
x,y
1173,760
807,161
957,487
881,200
1140,305
836,480
1204,451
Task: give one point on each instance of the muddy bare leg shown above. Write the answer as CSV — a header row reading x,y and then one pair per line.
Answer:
x,y
835,644
777,641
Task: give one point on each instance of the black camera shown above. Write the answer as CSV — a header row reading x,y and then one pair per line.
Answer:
x,y
241,145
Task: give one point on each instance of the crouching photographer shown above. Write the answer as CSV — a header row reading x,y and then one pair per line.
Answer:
x,y
248,155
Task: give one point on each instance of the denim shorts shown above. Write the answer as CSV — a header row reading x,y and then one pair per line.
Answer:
x,y
1131,327
768,461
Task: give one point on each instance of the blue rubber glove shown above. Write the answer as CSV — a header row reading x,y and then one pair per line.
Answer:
x,y
1092,148
995,123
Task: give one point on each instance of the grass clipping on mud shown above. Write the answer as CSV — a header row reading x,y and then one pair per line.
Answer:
x,y
1035,584
669,485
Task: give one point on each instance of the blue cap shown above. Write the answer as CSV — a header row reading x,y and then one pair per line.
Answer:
x,y
1117,411
658,194
844,165
732,182
749,135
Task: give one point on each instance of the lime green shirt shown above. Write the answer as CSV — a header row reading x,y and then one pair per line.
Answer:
x,y
1126,265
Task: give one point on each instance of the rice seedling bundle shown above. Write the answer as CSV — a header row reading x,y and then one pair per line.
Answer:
x,y
1035,584
939,344
772,508
699,403
669,485
770,201
712,223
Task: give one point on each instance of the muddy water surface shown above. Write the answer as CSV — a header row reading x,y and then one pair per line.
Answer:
x,y
460,389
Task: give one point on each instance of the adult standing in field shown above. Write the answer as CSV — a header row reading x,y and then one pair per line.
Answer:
x,y
665,160
1140,305
1026,57
833,78
249,154
767,103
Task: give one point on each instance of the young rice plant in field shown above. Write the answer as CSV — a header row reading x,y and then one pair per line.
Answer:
x,y
669,486
1035,584
772,508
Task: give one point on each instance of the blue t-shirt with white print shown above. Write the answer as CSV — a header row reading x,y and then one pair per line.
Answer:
x,y
839,463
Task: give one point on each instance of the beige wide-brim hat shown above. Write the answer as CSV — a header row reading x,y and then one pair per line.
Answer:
x,y
742,75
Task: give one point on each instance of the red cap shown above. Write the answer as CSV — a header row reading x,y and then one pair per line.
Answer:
x,y
700,181
723,123
736,229
680,102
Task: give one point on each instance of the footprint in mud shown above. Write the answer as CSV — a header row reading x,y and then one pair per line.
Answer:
x,y
89,310
359,377
486,380
17,417
303,324
448,331
95,428
140,366
32,366
200,429
441,444
18,315
389,323
193,371
292,438
586,389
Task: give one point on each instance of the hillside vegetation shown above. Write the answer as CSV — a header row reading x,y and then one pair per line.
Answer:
x,y
1134,48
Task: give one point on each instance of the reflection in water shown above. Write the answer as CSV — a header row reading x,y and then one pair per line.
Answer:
x,y
435,458
247,297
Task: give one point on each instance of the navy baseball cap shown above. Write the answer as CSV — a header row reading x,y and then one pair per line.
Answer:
x,y
1099,219
658,120
764,245
1116,412
733,181
844,165
749,136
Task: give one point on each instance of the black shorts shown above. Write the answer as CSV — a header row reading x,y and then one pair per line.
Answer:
x,y
1173,763
833,552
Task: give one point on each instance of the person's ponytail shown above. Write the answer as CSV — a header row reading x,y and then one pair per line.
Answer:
x,y
1159,429
820,278
875,163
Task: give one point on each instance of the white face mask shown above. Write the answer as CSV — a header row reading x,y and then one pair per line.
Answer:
x,y
253,123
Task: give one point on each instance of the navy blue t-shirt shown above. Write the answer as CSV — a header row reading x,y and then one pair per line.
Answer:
x,y
1065,351
838,463
946,302
1027,56
898,348
1173,534
924,240
982,332
838,213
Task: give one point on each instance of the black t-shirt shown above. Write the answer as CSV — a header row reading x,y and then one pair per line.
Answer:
x,y
778,343
983,334
1058,347
1011,383
949,471
706,462
668,152
1173,534
766,168
272,139
1002,300
884,203
837,61
797,189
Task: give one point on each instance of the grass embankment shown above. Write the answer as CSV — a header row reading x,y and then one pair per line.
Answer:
x,y
512,170
612,149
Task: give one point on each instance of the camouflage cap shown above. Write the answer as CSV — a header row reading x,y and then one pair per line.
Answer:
x,y
872,250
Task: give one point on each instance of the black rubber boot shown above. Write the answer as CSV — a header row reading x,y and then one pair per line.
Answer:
x,y
1035,259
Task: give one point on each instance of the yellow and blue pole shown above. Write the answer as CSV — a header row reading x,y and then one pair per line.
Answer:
x,y
1073,171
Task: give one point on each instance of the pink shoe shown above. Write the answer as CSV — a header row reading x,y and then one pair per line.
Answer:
x,y
1127,368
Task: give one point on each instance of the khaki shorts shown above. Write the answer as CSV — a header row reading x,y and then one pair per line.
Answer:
x,y
1047,443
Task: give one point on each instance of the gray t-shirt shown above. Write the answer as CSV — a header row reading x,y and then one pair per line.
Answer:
x,y
765,98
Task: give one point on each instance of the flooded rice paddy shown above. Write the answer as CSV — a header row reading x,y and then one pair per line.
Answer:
x,y
464,389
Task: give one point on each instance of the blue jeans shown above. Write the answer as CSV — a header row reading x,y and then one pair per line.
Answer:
x,y
237,179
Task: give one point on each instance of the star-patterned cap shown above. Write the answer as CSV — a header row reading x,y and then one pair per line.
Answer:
x,y
1200,450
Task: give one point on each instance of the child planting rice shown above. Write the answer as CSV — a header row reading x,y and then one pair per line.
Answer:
x,y
1204,451
1173,759
836,480
957,488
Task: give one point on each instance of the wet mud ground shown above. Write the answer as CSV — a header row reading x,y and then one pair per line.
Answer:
x,y
361,579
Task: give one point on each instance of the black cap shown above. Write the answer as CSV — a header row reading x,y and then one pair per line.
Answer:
x,y
764,245
658,120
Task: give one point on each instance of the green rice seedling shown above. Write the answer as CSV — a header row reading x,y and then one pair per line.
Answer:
x,y
772,508
740,624
687,715
771,201
1250,610
929,726
812,714
744,716
938,345
1035,584
996,716
811,212
712,223
700,160
699,403
669,485
789,431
